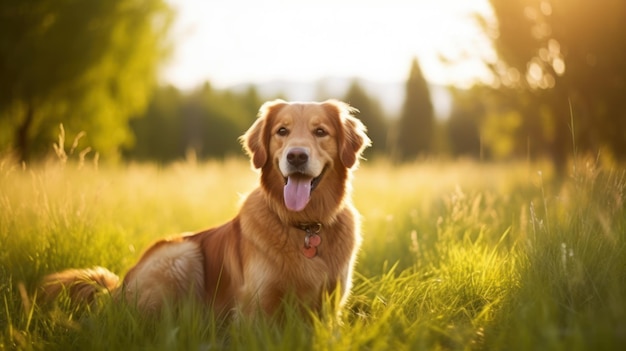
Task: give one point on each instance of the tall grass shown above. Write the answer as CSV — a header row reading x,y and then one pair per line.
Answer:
x,y
455,256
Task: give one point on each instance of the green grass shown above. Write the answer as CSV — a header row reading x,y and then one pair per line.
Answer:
x,y
455,256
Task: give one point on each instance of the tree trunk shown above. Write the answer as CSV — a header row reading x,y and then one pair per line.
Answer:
x,y
563,138
21,134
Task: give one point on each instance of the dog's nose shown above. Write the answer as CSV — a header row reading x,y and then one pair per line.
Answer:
x,y
297,156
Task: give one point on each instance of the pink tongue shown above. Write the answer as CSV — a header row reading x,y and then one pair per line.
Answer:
x,y
297,192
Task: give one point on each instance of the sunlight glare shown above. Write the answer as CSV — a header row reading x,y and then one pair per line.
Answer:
x,y
233,42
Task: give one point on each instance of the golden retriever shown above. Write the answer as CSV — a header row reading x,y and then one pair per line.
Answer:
x,y
297,233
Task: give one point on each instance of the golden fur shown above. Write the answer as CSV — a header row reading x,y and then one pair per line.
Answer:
x,y
252,262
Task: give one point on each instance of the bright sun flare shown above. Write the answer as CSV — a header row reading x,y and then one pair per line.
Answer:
x,y
243,41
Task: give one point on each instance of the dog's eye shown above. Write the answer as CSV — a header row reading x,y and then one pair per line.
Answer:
x,y
282,131
320,132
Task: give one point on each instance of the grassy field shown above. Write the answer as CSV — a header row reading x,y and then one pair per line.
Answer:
x,y
455,256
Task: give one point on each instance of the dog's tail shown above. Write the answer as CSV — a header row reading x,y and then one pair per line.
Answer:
x,y
81,285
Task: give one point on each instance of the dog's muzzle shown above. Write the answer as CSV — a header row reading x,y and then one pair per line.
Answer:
x,y
299,181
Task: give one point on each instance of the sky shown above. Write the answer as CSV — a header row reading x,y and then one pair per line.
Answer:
x,y
231,42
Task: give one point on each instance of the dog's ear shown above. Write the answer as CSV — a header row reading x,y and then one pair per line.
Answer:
x,y
256,139
352,138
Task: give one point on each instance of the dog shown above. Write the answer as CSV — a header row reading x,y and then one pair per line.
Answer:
x,y
297,234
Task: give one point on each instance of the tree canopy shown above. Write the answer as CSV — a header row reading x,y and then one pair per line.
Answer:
x,y
562,66
90,65
371,114
415,128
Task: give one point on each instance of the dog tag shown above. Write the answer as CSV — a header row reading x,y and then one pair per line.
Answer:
x,y
311,242
312,239
315,240
310,252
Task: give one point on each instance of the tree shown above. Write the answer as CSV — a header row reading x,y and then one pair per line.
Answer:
x,y
463,124
371,114
158,132
566,61
206,121
416,125
90,65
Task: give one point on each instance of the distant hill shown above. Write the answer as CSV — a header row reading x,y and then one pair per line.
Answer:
x,y
389,94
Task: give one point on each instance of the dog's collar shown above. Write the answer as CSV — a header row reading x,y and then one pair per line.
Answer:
x,y
312,238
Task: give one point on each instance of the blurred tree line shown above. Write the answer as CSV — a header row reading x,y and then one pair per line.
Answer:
x,y
206,122
559,87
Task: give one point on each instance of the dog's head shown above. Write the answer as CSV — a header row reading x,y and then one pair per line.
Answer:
x,y
302,148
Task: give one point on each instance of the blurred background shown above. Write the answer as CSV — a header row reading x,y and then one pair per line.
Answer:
x,y
160,80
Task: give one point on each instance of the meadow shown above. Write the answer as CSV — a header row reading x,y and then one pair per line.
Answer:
x,y
456,256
